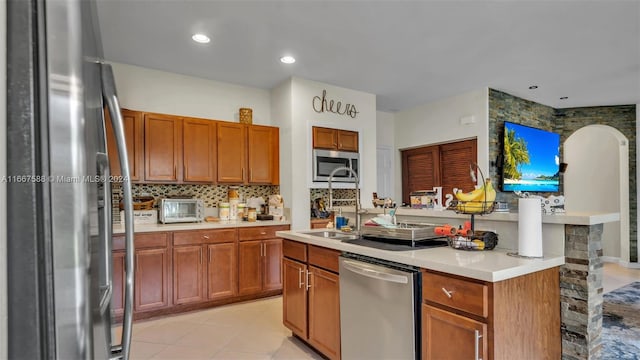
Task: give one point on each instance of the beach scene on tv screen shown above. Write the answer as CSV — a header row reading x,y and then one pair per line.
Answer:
x,y
531,159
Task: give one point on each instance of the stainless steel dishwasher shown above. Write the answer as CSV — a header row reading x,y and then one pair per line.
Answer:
x,y
379,309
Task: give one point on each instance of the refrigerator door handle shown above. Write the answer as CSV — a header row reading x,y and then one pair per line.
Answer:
x,y
106,287
109,92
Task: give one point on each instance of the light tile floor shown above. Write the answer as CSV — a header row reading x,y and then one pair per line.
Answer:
x,y
253,330
250,330
616,276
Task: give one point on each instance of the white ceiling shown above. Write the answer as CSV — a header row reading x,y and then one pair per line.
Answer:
x,y
408,53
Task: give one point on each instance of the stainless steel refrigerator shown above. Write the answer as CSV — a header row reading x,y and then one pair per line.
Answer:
x,y
58,185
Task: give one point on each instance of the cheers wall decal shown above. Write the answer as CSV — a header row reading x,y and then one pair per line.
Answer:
x,y
322,104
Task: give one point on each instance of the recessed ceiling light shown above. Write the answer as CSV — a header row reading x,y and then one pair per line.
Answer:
x,y
287,59
564,98
201,38
533,87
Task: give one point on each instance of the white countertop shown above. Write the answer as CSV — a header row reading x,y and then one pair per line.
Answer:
x,y
571,218
139,228
489,265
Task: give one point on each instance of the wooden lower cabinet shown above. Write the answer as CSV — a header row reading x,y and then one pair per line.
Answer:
x,y
517,318
117,297
222,274
259,260
324,311
205,266
294,297
260,266
152,279
185,270
250,269
187,274
450,336
311,295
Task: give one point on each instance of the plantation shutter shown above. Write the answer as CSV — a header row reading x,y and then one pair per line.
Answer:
x,y
445,165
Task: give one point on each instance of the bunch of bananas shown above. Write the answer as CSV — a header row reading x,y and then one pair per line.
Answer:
x,y
477,201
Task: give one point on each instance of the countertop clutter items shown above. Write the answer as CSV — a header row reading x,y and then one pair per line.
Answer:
x,y
142,217
276,207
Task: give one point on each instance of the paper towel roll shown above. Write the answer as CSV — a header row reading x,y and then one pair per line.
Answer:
x,y
529,227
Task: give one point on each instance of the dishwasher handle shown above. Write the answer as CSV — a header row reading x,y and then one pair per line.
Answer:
x,y
379,275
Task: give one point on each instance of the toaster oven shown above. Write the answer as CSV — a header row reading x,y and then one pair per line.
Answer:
x,y
181,210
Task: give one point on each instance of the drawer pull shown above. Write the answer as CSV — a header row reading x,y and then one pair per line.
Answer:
x,y
263,233
205,236
448,293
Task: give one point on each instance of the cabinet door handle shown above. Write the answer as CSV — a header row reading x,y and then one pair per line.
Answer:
x,y
449,293
477,344
300,282
308,280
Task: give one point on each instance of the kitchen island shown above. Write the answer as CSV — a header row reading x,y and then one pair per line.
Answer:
x,y
571,305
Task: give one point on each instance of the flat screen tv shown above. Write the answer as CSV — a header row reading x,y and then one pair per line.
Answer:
x,y
530,159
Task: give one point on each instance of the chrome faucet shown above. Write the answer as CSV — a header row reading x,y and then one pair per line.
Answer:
x,y
344,168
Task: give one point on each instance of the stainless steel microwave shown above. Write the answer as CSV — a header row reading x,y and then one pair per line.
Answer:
x,y
181,210
325,161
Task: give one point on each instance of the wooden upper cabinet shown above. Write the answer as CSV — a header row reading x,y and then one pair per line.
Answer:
x,y
134,138
199,146
335,139
263,144
325,138
347,140
231,152
162,147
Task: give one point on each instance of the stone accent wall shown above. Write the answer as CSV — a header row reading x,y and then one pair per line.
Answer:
x,y
211,194
581,293
505,107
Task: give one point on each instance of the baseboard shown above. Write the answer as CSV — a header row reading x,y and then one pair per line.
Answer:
x,y
610,259
630,265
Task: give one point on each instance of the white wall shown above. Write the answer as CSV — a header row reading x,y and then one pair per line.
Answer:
x,y
440,122
600,153
3,186
168,93
386,154
296,130
281,113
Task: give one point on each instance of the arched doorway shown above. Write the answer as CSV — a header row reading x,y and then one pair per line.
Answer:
x,y
597,179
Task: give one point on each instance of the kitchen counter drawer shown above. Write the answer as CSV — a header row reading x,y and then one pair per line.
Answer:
x,y
294,250
457,293
142,241
204,237
323,258
260,232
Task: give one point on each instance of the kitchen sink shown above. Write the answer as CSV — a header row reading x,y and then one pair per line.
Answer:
x,y
332,235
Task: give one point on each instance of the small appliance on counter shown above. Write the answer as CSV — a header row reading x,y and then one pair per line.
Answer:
x,y
181,210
